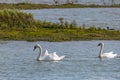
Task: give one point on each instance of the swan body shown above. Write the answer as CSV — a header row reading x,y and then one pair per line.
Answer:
x,y
109,55
47,57
105,55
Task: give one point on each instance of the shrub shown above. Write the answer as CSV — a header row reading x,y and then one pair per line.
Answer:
x,y
16,18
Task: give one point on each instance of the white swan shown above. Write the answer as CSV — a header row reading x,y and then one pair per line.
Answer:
x,y
106,55
47,56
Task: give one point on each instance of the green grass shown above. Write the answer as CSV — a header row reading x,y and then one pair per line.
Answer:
x,y
14,18
17,25
44,6
47,34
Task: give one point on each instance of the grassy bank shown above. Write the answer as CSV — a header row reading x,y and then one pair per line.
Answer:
x,y
16,25
46,34
43,6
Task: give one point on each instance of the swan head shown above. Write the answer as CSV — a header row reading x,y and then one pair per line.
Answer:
x,y
101,44
36,46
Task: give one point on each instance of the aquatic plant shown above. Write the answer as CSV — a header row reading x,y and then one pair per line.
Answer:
x,y
18,25
42,6
14,18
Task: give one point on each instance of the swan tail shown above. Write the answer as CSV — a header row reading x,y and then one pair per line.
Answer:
x,y
115,55
61,57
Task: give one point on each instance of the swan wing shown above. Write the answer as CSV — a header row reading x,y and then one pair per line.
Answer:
x,y
46,56
51,57
54,56
109,54
113,54
58,57
46,52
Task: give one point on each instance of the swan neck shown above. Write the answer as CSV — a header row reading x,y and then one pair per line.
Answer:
x,y
40,54
101,51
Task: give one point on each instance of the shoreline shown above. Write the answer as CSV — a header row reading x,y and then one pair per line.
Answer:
x,y
17,25
47,6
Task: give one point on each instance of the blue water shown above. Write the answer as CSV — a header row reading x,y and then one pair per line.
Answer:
x,y
18,61
99,17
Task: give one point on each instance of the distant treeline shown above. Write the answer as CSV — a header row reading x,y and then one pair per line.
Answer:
x,y
59,2
43,6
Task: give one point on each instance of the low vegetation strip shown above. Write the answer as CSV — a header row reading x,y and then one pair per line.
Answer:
x,y
17,25
44,6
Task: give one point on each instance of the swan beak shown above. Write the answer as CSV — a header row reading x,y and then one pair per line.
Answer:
x,y
34,48
99,44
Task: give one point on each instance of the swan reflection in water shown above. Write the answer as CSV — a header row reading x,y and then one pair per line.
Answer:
x,y
46,56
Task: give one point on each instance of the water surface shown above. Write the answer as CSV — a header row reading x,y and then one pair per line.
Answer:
x,y
99,17
18,61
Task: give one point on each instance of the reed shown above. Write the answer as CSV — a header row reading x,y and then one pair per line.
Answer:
x,y
17,25
14,18
43,6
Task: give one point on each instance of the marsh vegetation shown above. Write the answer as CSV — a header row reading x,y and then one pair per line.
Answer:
x,y
18,25
44,6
